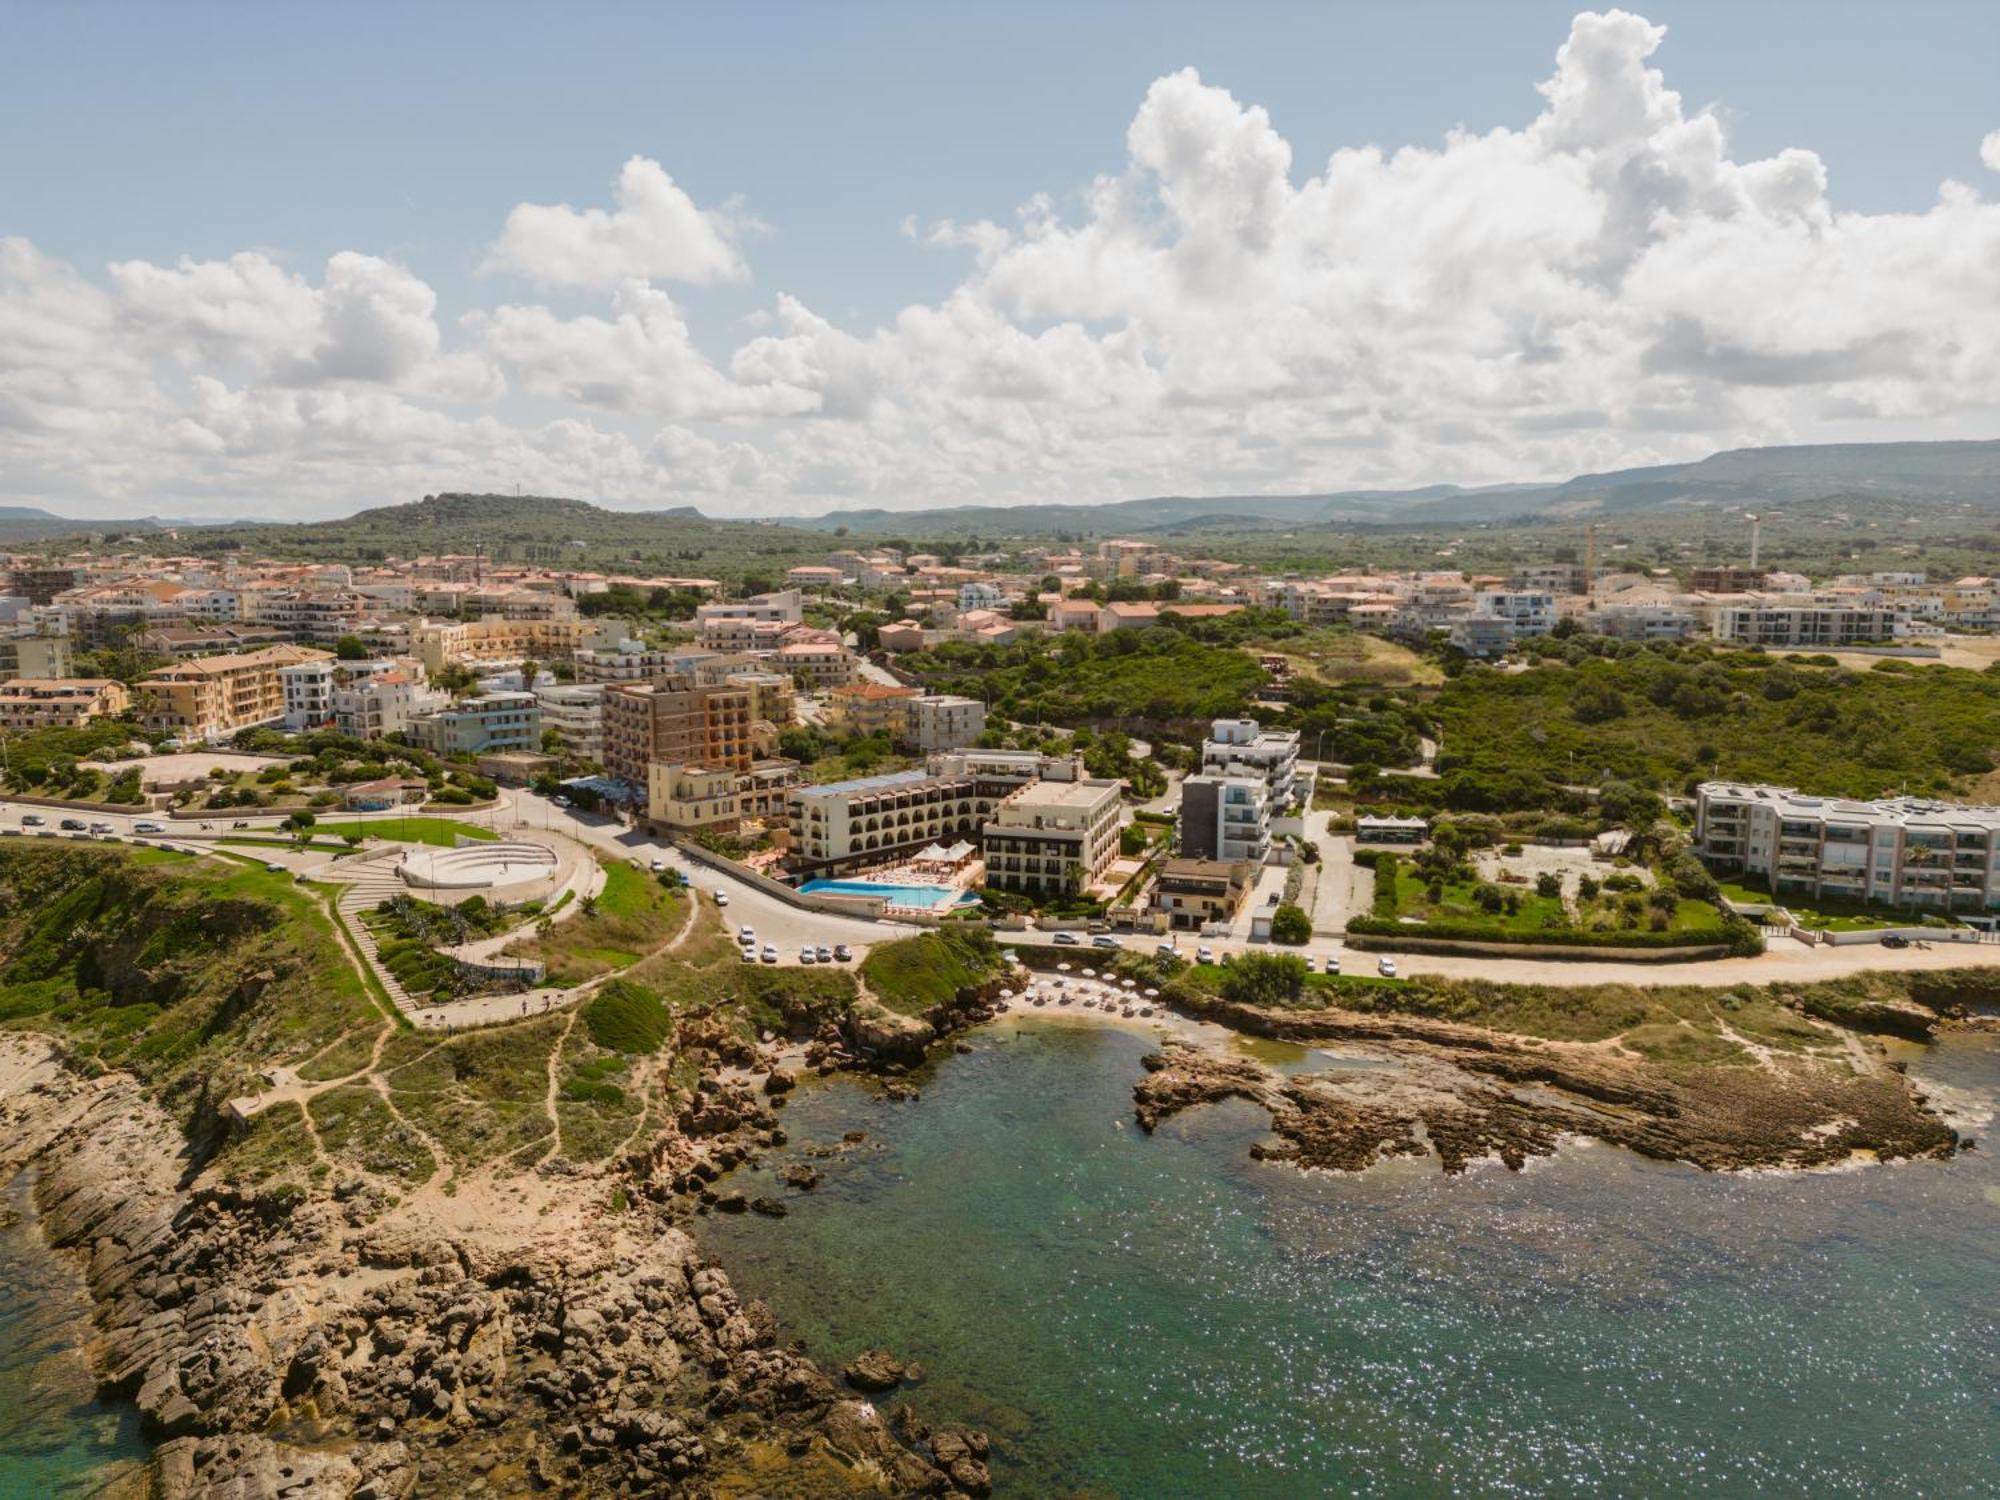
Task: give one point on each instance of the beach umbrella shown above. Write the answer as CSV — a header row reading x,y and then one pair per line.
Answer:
x,y
1129,983
1152,994
1062,968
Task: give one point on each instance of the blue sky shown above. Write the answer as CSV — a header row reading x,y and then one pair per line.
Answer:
x,y
408,132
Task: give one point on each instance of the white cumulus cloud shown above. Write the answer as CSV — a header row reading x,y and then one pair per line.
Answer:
x,y
655,233
1603,283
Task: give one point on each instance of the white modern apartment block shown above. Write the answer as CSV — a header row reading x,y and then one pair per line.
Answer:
x,y
1901,851
980,594
1226,818
1529,611
1641,621
1805,622
732,626
1243,747
308,694
382,703
944,721
575,710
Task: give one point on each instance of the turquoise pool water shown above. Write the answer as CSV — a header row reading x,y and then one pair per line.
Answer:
x,y
1162,1318
930,896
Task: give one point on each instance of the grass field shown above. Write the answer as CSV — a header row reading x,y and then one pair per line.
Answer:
x,y
442,832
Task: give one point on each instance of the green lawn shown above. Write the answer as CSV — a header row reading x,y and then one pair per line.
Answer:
x,y
1824,913
442,832
1536,914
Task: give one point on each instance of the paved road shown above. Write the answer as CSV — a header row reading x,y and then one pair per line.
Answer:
x,y
788,927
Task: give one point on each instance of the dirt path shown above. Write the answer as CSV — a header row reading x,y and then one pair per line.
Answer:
x,y
549,1099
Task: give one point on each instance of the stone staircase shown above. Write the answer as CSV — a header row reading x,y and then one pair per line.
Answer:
x,y
373,882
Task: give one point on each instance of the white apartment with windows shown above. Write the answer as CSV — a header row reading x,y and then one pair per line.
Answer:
x,y
1243,747
1899,851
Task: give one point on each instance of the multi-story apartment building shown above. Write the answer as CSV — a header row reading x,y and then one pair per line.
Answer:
x,y
1815,622
41,584
59,702
1242,747
1901,851
382,703
1641,620
683,798
872,708
943,721
34,656
1226,818
207,640
479,726
1529,611
678,721
773,698
845,825
308,690
628,661
496,639
815,666
575,710
733,626
1727,580
212,697
323,615
1052,837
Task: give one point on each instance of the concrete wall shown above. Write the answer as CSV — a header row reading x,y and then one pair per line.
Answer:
x,y
1382,943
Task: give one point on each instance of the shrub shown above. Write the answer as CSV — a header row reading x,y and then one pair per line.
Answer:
x,y
1265,979
1290,925
624,1017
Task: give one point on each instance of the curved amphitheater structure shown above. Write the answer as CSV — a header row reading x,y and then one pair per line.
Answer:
x,y
477,867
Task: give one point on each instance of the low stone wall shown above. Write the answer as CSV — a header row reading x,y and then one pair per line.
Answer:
x,y
59,804
1370,942
1914,934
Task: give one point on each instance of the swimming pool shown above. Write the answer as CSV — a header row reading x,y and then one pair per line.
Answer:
x,y
928,896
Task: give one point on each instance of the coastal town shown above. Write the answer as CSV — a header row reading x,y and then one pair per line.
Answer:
x,y
796,740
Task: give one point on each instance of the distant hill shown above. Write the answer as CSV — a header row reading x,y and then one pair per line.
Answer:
x,y
28,523
1923,473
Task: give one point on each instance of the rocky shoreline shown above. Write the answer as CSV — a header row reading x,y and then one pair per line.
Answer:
x,y
1466,1093
327,1344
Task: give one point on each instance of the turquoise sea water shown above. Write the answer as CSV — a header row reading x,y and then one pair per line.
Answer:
x,y
1159,1317
57,1441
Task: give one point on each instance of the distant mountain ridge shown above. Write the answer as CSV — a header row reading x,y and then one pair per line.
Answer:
x,y
1941,472
1930,473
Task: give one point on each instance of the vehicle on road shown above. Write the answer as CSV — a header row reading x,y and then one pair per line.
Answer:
x,y
32,820
72,825
1332,964
1204,955
823,953
1386,967
149,828
1068,939
1166,950
1895,940
721,897
274,867
807,955
770,953
842,953
657,866
1310,963
103,829
1104,940
749,952
746,934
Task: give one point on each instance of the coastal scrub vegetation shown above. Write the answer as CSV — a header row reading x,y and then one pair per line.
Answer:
x,y
911,975
1666,716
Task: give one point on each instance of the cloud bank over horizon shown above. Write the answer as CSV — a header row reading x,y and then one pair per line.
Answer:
x,y
1601,287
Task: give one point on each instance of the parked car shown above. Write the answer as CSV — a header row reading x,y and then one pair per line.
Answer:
x,y
149,828
1068,939
1204,955
842,953
823,953
1311,965
722,898
274,867
749,952
770,953
657,866
73,825
746,934
32,820
101,829
807,955
1386,967
1166,950
1104,940
1332,964
1895,940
